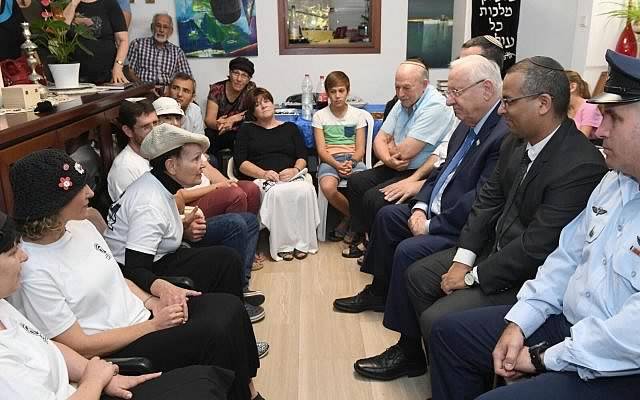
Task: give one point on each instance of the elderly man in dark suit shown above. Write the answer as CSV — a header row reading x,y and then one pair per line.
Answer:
x,y
542,180
432,221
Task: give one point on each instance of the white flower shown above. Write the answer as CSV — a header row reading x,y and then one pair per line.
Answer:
x,y
79,168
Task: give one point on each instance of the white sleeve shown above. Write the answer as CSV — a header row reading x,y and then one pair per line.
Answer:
x,y
44,305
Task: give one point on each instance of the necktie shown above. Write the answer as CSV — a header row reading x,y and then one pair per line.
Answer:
x,y
522,171
451,167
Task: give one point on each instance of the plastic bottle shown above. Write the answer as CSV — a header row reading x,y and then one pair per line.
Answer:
x,y
323,99
307,97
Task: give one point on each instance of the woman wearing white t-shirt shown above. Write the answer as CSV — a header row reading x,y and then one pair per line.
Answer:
x,y
34,367
73,290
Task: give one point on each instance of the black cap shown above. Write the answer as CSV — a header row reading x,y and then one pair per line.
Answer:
x,y
623,84
243,64
44,182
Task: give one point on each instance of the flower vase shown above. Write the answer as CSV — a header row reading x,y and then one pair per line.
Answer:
x,y
627,43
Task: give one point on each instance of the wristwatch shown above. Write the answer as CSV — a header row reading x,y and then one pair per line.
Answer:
x,y
120,62
469,280
534,352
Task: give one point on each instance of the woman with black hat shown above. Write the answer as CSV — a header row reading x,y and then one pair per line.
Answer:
x,y
34,367
227,103
73,290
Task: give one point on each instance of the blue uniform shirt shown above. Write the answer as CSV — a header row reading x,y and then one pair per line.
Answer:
x,y
593,277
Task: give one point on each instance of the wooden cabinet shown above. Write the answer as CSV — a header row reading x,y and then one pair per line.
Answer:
x,y
91,115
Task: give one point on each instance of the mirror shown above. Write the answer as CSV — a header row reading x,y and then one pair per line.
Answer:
x,y
329,26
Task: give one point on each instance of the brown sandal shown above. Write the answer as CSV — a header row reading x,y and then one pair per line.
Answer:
x,y
286,255
300,255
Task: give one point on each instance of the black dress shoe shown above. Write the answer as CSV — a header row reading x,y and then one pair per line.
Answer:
x,y
363,301
391,364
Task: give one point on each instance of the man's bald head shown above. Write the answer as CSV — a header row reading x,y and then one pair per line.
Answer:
x,y
411,81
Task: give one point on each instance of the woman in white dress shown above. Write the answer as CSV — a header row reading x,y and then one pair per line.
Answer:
x,y
273,154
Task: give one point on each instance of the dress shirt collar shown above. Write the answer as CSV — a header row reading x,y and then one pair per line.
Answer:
x,y
478,127
628,186
534,150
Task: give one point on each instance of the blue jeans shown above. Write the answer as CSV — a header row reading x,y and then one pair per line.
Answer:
x,y
238,231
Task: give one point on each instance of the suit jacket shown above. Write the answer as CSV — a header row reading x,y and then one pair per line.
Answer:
x,y
468,178
555,189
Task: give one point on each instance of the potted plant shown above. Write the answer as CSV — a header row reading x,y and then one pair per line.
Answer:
x,y
61,41
630,11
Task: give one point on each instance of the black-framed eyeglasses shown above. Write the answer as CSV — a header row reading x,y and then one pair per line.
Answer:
x,y
507,101
458,92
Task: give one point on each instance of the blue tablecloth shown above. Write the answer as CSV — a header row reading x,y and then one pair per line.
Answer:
x,y
307,130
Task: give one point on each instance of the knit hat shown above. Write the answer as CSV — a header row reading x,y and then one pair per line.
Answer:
x,y
166,137
44,182
167,106
243,64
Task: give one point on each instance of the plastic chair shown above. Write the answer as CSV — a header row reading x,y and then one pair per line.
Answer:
x,y
323,203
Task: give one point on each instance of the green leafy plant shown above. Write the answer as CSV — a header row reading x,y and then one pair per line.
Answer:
x,y
54,34
629,11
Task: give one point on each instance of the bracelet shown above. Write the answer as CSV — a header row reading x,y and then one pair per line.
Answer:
x,y
298,169
144,303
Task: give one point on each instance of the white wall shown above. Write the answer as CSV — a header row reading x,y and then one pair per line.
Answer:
x,y
371,75
571,31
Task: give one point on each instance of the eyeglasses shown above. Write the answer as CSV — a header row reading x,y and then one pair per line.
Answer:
x,y
507,101
240,74
458,92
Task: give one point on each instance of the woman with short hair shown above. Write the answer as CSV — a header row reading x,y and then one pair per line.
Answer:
x,y
272,153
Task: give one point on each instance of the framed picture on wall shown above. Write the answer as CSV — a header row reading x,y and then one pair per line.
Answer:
x,y
217,28
430,31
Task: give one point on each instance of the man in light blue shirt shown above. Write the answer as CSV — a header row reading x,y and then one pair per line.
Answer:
x,y
416,125
576,326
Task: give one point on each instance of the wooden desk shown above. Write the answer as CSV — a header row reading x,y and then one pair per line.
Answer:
x,y
24,133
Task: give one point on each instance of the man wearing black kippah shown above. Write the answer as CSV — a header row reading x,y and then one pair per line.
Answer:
x,y
542,180
574,329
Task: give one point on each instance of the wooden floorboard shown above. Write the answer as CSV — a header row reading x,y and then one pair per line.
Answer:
x,y
313,348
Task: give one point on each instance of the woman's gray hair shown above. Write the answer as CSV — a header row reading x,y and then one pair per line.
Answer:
x,y
479,68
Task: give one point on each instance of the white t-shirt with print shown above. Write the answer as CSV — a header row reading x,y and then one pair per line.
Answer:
x,y
145,219
31,366
126,168
74,279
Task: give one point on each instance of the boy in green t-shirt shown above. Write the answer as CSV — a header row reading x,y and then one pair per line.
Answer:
x,y
340,143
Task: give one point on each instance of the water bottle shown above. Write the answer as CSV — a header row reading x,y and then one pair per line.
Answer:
x,y
307,97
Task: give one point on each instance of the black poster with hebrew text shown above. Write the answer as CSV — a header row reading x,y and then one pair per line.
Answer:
x,y
497,18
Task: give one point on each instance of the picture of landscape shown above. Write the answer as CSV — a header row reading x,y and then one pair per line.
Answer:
x,y
430,31
217,28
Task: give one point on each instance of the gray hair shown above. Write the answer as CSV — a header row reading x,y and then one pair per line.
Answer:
x,y
161,14
479,68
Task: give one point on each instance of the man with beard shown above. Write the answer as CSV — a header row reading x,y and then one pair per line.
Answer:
x,y
154,59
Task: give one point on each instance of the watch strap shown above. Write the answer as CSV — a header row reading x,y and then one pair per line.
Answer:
x,y
535,352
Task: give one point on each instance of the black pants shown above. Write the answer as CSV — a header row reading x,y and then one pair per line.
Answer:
x,y
462,366
218,333
197,382
214,269
365,198
430,302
